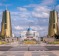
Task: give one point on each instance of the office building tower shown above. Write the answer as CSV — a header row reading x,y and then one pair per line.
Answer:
x,y
6,29
53,23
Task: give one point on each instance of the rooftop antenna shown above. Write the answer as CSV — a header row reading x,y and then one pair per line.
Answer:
x,y
6,7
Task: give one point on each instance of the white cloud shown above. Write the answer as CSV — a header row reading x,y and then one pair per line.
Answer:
x,y
25,16
42,8
18,27
43,3
38,11
47,2
22,17
57,8
40,15
14,13
21,9
40,28
41,12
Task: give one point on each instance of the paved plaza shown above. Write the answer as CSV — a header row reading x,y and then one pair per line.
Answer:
x,y
16,49
29,53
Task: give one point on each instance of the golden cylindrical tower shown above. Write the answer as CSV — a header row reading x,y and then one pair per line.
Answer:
x,y
6,29
53,23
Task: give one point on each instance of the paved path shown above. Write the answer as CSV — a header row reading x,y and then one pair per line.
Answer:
x,y
29,53
15,46
16,49
42,44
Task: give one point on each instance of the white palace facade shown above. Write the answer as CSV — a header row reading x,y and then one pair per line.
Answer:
x,y
29,34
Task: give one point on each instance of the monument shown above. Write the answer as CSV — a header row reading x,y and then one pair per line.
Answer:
x,y
6,29
53,24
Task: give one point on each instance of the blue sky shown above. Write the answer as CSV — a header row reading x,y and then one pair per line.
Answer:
x,y
29,12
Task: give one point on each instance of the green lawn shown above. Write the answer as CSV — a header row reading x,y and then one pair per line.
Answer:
x,y
55,42
29,42
3,42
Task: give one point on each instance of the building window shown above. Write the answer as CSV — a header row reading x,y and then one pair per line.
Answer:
x,y
5,26
53,25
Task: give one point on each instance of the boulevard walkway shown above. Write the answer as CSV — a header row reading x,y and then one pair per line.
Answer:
x,y
16,49
29,53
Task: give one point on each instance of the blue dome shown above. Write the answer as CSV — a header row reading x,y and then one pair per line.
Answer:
x,y
29,29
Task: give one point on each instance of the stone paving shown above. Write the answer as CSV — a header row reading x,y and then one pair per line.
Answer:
x,y
29,53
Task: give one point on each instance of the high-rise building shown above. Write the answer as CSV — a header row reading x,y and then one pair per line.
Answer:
x,y
53,23
6,29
